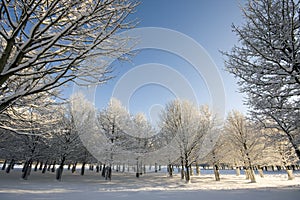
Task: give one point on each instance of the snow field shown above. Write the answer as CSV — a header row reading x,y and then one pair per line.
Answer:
x,y
148,186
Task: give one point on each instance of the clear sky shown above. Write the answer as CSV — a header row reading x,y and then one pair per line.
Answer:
x,y
208,22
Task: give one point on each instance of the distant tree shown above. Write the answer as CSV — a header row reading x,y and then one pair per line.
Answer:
x,y
46,43
267,63
65,139
279,152
246,141
115,123
220,154
188,126
142,131
29,126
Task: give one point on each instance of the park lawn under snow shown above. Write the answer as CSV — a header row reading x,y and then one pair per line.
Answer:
x,y
149,186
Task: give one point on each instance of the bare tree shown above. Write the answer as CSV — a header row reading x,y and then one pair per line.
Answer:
x,y
46,43
267,63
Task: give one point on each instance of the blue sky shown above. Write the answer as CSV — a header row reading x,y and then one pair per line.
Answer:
x,y
208,22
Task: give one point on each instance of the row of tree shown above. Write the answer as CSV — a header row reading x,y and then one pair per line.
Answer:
x,y
186,136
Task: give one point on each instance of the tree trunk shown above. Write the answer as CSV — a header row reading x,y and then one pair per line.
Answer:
x,y
251,175
41,166
103,171
60,169
217,173
10,166
49,167
53,167
137,169
4,165
27,169
260,171
45,167
82,169
247,174
123,169
237,171
197,169
187,174
155,167
108,173
187,168
182,169
36,166
290,173
191,171
170,170
74,167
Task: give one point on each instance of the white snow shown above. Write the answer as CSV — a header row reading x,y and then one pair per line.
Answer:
x,y
149,186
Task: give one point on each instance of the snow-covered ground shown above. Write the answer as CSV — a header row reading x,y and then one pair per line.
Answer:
x,y
149,186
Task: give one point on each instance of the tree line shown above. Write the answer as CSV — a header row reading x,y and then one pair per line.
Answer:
x,y
187,136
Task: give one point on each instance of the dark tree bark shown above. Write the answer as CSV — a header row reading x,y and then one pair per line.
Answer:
x,y
53,167
60,169
82,169
49,167
10,166
103,171
36,166
45,167
170,170
41,166
27,169
108,173
182,169
217,173
4,165
74,167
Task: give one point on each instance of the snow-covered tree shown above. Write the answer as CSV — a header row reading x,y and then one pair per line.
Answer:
x,y
267,63
279,151
115,123
46,43
246,141
30,126
143,133
187,125
219,154
65,139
